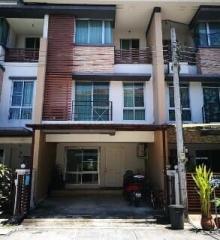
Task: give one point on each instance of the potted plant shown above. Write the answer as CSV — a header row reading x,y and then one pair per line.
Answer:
x,y
202,178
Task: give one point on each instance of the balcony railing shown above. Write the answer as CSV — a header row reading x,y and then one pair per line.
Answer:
x,y
211,113
185,54
21,55
133,56
92,111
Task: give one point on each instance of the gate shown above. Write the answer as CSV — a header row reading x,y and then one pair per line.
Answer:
x,y
22,192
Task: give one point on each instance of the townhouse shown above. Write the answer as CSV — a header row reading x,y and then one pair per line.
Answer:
x,y
86,90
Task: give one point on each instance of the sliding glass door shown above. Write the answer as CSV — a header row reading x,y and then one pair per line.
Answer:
x,y
82,166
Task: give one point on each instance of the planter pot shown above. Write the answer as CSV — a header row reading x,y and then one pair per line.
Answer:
x,y
217,222
207,223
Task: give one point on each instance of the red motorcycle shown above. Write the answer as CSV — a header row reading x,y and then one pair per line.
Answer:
x,y
134,187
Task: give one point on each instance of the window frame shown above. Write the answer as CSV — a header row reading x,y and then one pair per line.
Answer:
x,y
182,108
134,108
89,29
207,33
82,172
22,97
35,43
93,106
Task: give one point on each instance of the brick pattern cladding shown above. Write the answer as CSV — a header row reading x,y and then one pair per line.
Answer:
x,y
193,135
208,60
58,81
93,59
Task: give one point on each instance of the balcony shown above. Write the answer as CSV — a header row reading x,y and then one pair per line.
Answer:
x,y
133,56
92,111
21,55
211,113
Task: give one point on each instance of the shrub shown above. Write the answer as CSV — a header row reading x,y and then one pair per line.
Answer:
x,y
5,187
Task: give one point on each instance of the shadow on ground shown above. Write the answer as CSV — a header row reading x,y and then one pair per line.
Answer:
x,y
95,207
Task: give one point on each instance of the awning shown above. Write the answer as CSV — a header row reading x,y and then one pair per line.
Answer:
x,y
98,126
111,76
15,132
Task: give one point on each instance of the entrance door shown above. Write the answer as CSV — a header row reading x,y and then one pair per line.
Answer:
x,y
211,104
114,167
82,166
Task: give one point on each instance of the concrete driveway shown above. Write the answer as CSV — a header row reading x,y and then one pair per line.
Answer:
x,y
103,229
91,206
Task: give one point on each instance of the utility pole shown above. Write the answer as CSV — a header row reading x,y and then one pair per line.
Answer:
x,y
178,116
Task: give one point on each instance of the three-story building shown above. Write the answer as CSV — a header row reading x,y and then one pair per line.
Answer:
x,y
93,85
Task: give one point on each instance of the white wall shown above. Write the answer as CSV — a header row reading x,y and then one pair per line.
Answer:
x,y
133,68
15,70
196,101
130,160
117,98
11,38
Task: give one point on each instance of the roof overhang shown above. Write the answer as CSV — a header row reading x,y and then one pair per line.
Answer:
x,y
205,78
101,127
15,132
39,10
206,13
111,76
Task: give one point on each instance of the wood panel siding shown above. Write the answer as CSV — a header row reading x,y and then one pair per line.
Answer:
x,y
58,82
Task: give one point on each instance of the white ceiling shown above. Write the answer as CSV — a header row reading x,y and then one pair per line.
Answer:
x,y
26,26
135,14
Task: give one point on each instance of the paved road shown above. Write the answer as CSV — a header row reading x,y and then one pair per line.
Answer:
x,y
103,230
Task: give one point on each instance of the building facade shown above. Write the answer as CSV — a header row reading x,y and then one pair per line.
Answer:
x,y
86,90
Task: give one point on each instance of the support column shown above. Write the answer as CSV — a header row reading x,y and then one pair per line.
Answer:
x,y
155,41
41,73
38,139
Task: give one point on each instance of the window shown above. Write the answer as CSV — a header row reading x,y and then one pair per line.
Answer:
x,y
1,156
134,101
211,107
208,34
21,100
93,32
92,101
185,102
127,44
32,43
4,30
81,166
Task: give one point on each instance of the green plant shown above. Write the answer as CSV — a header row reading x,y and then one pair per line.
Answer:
x,y
202,178
5,187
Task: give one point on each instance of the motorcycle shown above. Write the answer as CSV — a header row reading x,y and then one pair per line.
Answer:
x,y
134,188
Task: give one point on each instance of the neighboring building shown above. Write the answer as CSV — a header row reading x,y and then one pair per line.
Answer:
x,y
94,83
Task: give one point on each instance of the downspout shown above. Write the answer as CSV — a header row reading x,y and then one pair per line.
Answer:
x,y
164,165
31,202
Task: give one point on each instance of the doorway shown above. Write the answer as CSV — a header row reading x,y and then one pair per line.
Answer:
x,y
114,167
82,167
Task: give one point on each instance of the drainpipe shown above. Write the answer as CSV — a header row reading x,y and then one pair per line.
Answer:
x,y
164,164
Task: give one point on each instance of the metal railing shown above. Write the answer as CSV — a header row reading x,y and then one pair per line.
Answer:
x,y
92,110
211,113
133,56
21,55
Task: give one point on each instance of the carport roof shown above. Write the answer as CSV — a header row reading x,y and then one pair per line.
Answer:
x,y
15,132
98,126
